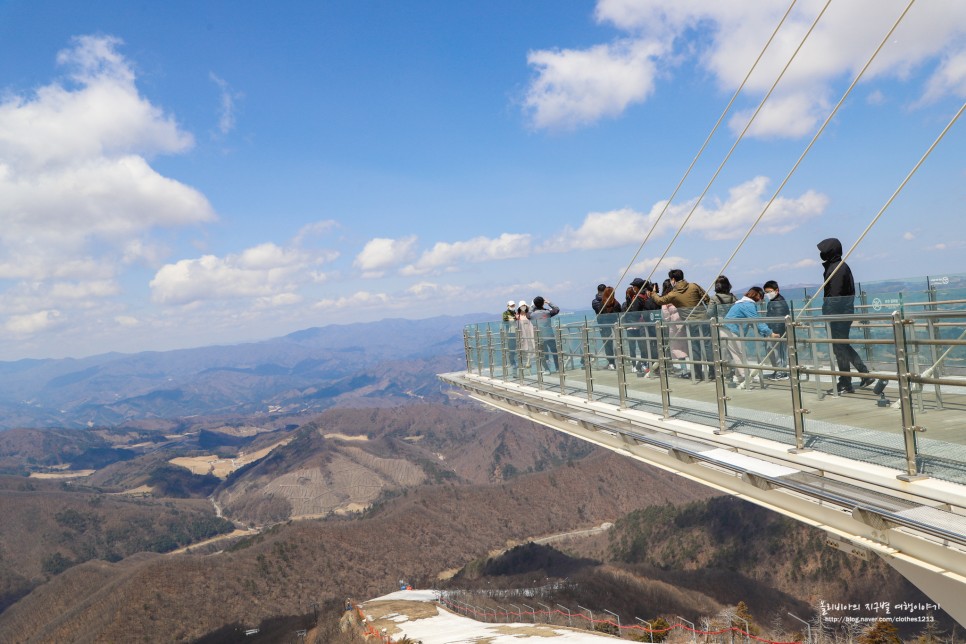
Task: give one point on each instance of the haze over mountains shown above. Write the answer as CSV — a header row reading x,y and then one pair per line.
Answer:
x,y
307,370
259,485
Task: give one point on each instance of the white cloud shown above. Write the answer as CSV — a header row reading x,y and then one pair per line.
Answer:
x,y
278,300
263,271
876,97
448,255
610,229
126,320
103,116
646,267
226,105
575,87
358,300
314,229
381,254
732,35
949,78
802,263
31,323
908,235
78,197
791,115
713,219
429,290
83,290
732,217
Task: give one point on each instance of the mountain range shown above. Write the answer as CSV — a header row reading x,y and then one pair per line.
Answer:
x,y
391,361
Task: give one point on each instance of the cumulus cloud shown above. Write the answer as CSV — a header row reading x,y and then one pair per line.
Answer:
x,y
31,323
652,42
575,87
381,254
715,218
610,229
449,255
78,196
949,78
730,218
267,272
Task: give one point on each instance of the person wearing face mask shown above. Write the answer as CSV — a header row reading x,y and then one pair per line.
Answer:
x,y
777,308
839,299
744,309
509,327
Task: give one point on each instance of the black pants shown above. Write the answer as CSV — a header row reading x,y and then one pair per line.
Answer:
x,y
845,355
701,348
605,334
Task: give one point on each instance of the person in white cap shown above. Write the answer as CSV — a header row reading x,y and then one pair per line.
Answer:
x,y
510,328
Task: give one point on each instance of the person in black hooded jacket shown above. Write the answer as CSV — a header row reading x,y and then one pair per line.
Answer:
x,y
839,299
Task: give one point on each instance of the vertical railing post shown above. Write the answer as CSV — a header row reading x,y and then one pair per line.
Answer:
x,y
466,349
588,376
489,348
794,381
719,383
909,427
618,331
479,353
934,356
570,619
866,331
664,358
561,364
930,295
504,353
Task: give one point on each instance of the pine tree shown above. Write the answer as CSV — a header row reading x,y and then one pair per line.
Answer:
x,y
881,632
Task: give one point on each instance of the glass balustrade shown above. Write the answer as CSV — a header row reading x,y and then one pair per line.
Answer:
x,y
907,412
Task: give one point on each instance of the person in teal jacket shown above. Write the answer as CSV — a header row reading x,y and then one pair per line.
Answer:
x,y
744,309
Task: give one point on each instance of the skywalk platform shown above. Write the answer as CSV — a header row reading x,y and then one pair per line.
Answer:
x,y
882,470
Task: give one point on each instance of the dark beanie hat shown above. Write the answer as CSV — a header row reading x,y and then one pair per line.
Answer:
x,y
637,282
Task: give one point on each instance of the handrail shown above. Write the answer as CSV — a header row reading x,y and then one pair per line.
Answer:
x,y
905,351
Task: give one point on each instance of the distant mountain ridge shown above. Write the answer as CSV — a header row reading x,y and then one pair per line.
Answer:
x,y
311,369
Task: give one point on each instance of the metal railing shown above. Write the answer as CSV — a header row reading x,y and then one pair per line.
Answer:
x,y
781,388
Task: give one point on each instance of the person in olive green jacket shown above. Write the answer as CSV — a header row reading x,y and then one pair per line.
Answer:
x,y
691,301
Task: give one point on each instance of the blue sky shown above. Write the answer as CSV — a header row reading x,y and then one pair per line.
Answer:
x,y
179,174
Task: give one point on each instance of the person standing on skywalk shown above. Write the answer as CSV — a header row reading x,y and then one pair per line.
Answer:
x,y
543,330
839,299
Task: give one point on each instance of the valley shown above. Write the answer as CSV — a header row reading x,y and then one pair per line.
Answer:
x,y
204,526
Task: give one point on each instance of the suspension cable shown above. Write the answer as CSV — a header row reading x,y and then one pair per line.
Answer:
x,y
821,289
808,148
705,144
740,137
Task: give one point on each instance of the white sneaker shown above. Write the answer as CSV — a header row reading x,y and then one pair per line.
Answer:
x,y
546,372
611,367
